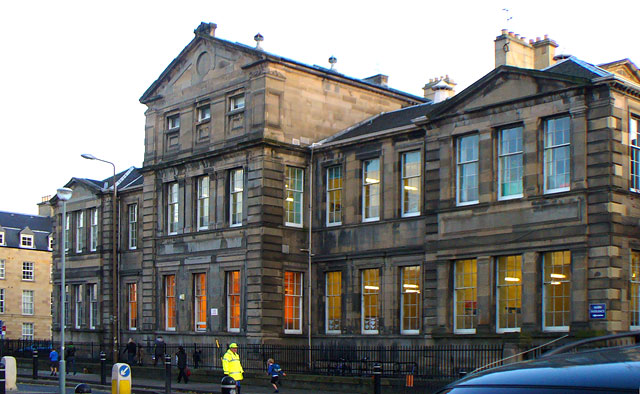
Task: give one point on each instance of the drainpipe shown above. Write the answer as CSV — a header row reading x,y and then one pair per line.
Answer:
x,y
309,250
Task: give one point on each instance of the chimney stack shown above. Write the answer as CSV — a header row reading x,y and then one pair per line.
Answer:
x,y
207,29
513,50
379,79
439,89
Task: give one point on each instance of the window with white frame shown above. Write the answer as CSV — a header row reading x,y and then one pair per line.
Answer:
x,y
294,187
370,291
2,268
333,309
510,163
27,302
236,188
173,122
200,301
410,308
236,103
465,301
233,301
172,208
292,302
556,291
133,226
204,113
93,234
50,242
557,155
28,272
1,238
634,290
170,302
508,293
1,300
67,232
79,231
132,306
26,241
467,170
79,295
410,196
27,331
371,190
93,305
334,196
202,213
634,146
67,306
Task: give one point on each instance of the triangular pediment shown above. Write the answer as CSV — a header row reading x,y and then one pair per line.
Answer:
x,y
624,68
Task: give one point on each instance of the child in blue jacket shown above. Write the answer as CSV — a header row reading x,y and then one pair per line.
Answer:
x,y
274,371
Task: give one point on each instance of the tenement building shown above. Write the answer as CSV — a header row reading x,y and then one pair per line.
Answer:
x,y
25,276
287,203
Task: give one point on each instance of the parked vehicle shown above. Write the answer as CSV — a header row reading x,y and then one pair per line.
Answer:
x,y
566,370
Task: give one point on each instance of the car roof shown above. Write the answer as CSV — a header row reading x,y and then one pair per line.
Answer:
x,y
615,368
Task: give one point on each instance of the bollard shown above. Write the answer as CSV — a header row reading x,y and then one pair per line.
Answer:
x,y
167,374
121,379
35,363
103,370
377,378
228,385
2,378
82,388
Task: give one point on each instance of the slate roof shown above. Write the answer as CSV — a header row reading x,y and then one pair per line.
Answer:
x,y
577,68
13,223
126,180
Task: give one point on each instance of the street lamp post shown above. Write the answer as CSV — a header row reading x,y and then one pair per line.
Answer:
x,y
115,295
64,194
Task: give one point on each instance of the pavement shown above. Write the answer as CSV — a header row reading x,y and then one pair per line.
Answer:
x,y
152,386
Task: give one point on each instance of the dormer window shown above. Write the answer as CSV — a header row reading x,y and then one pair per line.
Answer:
x,y
173,122
204,113
236,102
26,241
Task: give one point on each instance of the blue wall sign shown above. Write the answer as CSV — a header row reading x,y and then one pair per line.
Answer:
x,y
597,311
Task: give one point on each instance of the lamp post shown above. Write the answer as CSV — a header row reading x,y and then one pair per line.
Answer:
x,y
64,194
115,294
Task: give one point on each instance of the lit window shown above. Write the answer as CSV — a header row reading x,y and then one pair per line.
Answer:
x,y
508,293
334,302
293,185
236,102
634,143
370,301
200,301
27,302
334,196
26,241
79,305
410,184
634,289
79,231
2,269
133,226
93,305
233,301
27,270
510,165
236,188
292,302
93,234
465,296
467,170
170,302
556,291
410,309
172,208
204,113
1,301
173,122
371,190
557,154
203,203
133,306
67,232
27,331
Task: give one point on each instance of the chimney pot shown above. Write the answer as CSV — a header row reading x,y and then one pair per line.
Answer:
x,y
258,38
333,61
517,35
511,34
546,36
504,32
531,41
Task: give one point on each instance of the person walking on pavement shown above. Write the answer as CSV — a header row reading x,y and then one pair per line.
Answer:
x,y
159,350
70,356
131,350
197,357
231,365
274,371
181,356
54,358
140,355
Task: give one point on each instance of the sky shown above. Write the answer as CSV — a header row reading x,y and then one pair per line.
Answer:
x,y
73,71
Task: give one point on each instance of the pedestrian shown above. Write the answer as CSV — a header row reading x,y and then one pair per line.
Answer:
x,y
197,357
274,370
54,359
131,349
70,357
140,354
231,365
181,357
159,350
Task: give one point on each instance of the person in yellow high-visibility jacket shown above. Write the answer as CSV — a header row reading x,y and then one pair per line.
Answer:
x,y
231,364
